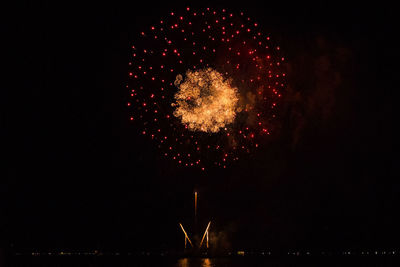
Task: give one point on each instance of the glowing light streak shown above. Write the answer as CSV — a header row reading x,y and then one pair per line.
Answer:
x,y
186,236
205,233
195,205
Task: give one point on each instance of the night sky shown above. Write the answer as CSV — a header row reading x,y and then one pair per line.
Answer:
x,y
77,174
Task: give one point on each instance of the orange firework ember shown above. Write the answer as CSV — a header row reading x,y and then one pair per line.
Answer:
x,y
205,100
205,85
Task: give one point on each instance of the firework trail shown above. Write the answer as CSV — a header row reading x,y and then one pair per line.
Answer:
x,y
204,85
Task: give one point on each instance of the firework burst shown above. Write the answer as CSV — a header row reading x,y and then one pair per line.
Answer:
x,y
204,85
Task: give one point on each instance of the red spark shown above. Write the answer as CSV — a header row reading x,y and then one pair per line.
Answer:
x,y
247,60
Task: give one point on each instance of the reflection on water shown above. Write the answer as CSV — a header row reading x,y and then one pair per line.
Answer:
x,y
183,263
207,263
145,261
192,262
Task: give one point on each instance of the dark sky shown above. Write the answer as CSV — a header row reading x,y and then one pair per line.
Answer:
x,y
76,174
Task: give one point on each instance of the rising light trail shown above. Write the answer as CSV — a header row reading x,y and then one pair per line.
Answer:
x,y
205,234
186,236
